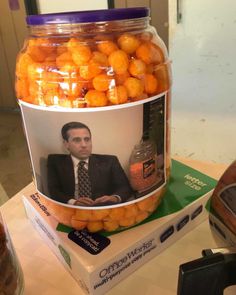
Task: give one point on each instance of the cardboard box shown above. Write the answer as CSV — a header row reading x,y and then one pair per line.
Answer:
x,y
99,261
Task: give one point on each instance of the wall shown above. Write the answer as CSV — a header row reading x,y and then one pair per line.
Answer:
x,y
51,6
202,50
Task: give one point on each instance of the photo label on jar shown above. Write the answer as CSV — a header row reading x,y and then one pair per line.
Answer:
x,y
103,157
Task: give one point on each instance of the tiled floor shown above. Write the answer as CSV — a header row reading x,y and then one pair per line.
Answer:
x,y
15,171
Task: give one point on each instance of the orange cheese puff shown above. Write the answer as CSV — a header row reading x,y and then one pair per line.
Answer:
x,y
94,226
22,88
99,214
145,36
134,87
35,51
110,225
71,87
72,83
64,215
77,102
150,53
162,73
72,44
81,54
30,99
117,213
77,224
22,63
82,215
49,66
153,207
145,204
129,43
38,100
150,84
89,85
100,58
35,72
129,221
69,69
102,82
45,44
107,47
137,67
150,69
64,102
131,210
119,61
95,98
141,216
63,59
120,78
35,89
51,57
90,70
117,95
51,97
62,48
50,81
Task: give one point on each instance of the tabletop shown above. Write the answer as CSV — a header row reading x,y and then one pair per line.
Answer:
x,y
45,275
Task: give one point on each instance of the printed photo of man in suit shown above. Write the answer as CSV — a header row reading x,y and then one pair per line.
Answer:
x,y
83,178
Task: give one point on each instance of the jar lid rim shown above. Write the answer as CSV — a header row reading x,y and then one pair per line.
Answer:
x,y
87,16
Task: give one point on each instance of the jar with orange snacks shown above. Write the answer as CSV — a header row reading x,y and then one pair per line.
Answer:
x,y
109,70
143,166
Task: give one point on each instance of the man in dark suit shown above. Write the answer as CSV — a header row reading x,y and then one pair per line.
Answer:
x,y
103,180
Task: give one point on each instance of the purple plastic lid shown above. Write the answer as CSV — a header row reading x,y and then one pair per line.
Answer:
x,y
88,16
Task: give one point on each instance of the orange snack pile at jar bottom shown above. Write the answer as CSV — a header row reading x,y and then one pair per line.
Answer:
x,y
111,219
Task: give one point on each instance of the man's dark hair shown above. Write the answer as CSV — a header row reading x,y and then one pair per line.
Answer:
x,y
72,125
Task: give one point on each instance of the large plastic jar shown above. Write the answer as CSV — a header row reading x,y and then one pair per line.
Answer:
x,y
91,86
